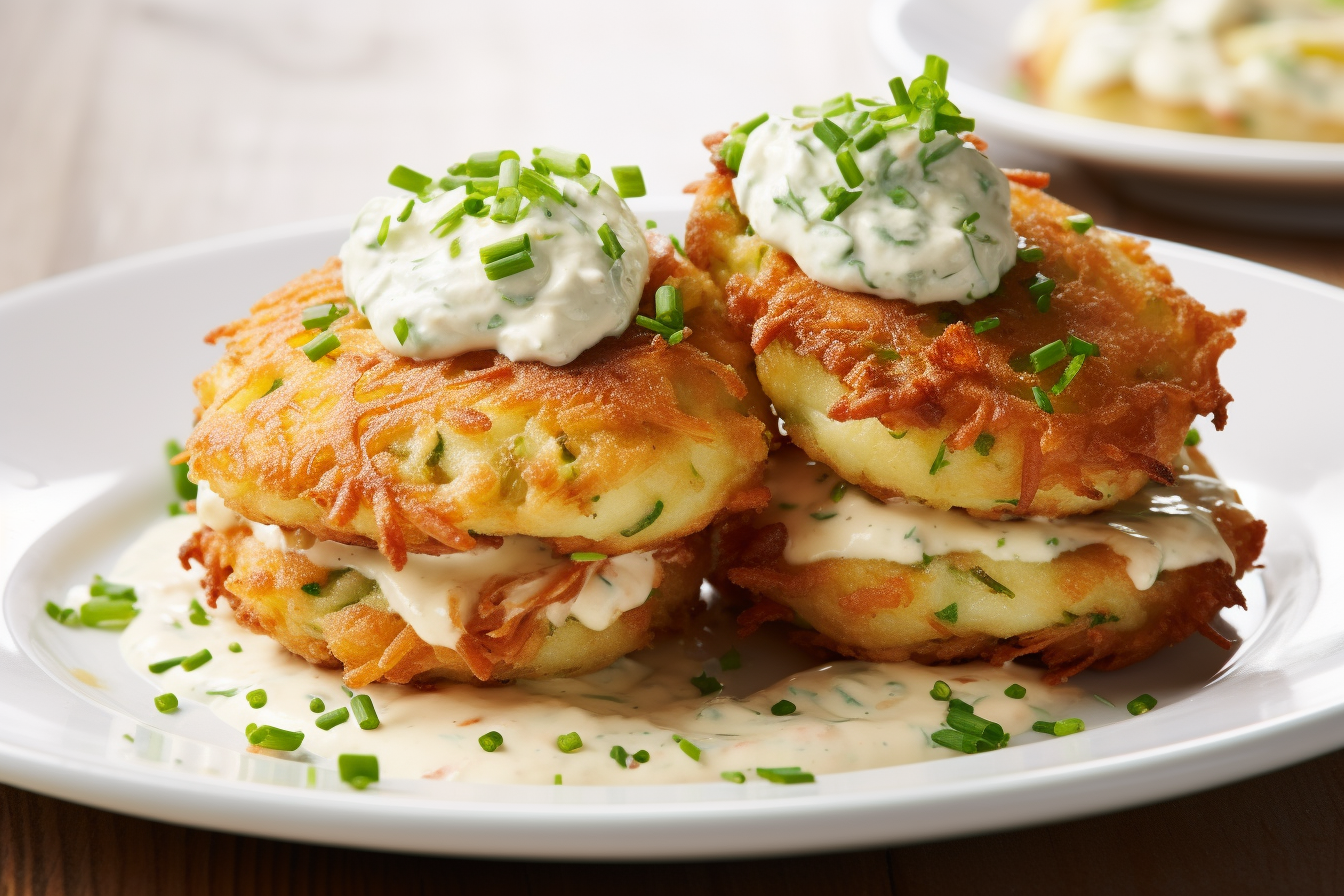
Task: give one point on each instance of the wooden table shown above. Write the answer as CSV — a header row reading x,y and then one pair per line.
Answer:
x,y
125,126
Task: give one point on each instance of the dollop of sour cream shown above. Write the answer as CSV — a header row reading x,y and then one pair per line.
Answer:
x,y
574,296
932,223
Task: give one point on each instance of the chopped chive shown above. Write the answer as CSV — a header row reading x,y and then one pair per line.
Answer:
x,y
455,248
175,508
362,707
504,248
1040,288
316,705
535,184
357,769
321,345
849,169
898,435
1042,400
1081,223
830,134
330,720
783,708
235,647
508,205
164,665
941,690
256,699
196,614
629,180
408,179
275,384
401,329
486,164
54,612
733,777
559,779
839,491
1075,365
569,743
1048,355
668,307
196,660
490,741
790,775
312,589
984,326
1192,438
319,317
730,660
972,724
103,588
165,703
587,556
687,747
1059,729
610,244
1016,691
962,741
182,484
869,136
620,755
383,229
938,462
983,443
268,737
510,265
752,124
1030,253
731,150
839,200
676,244
562,162
496,321
707,684
641,756
1141,704
227,692
646,522
948,614
822,516
1082,346
990,582
406,212
928,158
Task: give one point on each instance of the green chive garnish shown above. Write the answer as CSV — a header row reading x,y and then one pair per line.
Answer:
x,y
948,614
412,181
984,326
227,692
1016,691
316,705
490,741
990,582
983,443
587,556
839,491
1141,704
707,684
164,665
330,720
646,522
1059,729
196,660
629,180
839,200
830,134
362,707
106,612
235,647
319,317
790,775
196,614
256,699
321,345
562,162
401,329
312,589
1048,355
750,125
783,708
938,462
510,265
357,769
620,755
1082,346
687,747
1075,365
486,164
641,756
1030,253
186,489
1081,223
165,703
406,212
569,743
268,737
733,777
504,248
1042,400
1192,438
559,779
849,169
610,244
941,690
1040,289
103,588
383,229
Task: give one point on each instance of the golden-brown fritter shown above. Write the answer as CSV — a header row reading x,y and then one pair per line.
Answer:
x,y
632,445
909,400
1078,611
348,625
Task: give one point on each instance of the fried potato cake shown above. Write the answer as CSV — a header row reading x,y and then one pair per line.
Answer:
x,y
632,445
348,625
909,400
1078,611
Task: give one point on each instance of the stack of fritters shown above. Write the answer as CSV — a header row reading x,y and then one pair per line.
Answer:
x,y
916,402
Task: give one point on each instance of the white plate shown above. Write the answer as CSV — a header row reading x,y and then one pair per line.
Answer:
x,y
1272,184
96,369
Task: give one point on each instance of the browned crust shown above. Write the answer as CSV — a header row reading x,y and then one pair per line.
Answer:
x,y
1127,411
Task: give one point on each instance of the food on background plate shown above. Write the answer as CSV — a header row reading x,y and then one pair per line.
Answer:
x,y
1247,68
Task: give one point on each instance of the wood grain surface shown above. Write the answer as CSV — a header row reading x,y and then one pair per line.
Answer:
x,y
128,125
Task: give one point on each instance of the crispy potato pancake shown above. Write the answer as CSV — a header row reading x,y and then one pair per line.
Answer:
x,y
633,445
1078,611
348,625
909,400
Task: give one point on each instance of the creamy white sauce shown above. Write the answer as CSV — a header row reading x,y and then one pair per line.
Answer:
x,y
572,298
1223,55
911,247
1159,528
850,715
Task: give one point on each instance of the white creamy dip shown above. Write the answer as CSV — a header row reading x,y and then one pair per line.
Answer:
x,y
1159,528
435,594
573,297
850,715
911,235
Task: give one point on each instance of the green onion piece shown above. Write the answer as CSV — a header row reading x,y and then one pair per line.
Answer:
x,y
838,491
849,169
658,327
504,248
196,614
1016,691
821,515
362,707
330,720
869,136
641,756
983,443
452,182
319,317
1081,223
707,684
1192,438
1075,365
790,775
667,307
629,180
534,184
731,150
901,196
509,170
312,589
164,665
486,164
268,737
559,779
730,660
899,94
235,647
569,743
962,741
490,741
938,462
990,582
316,705
510,265
384,229
935,69
783,708
646,522
838,105
455,248
1141,704
321,345
941,690
186,489
1048,355
175,507
590,182
620,755
750,125
1030,253
967,224
406,212
106,612
948,614
830,134
227,692
1059,729
1040,289
650,224
733,777
984,326
610,244
587,556
100,587
970,723
955,705
1042,400
562,162
357,769
165,703
1082,346
54,612
256,699
687,747
507,208
840,199
412,181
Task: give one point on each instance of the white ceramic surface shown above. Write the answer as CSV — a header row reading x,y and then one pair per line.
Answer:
x,y
96,369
